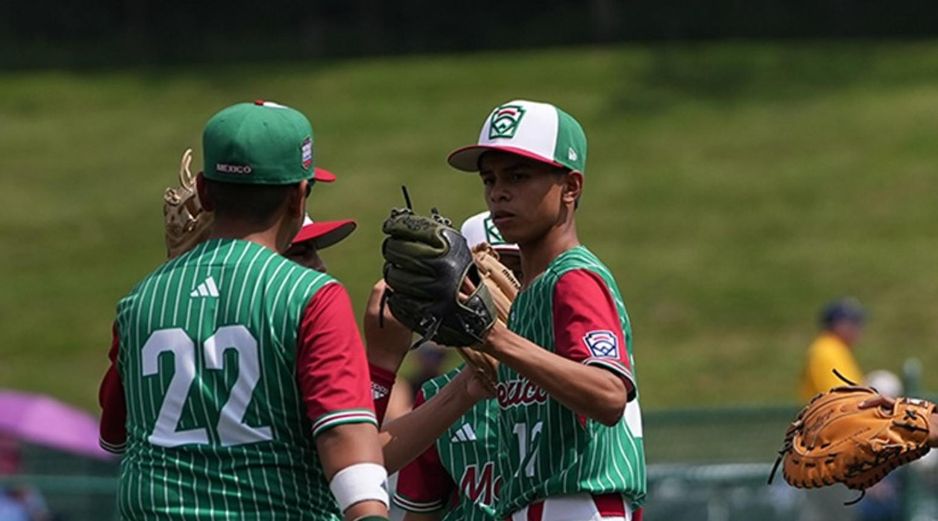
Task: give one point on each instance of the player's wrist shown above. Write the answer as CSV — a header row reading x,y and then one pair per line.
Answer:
x,y
494,339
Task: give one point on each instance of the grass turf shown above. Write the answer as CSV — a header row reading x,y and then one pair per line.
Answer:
x,y
732,188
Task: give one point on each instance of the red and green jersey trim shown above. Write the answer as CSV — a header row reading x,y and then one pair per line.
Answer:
x,y
418,507
113,448
332,419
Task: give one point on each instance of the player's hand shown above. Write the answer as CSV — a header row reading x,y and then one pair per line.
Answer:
x,y
888,404
880,401
387,341
475,386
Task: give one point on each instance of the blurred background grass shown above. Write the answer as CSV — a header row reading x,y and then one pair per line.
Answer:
x,y
731,187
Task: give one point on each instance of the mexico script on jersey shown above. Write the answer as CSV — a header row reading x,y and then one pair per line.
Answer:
x,y
458,473
548,449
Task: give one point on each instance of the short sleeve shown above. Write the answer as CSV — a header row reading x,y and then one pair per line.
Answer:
x,y
113,429
382,381
587,326
332,369
424,485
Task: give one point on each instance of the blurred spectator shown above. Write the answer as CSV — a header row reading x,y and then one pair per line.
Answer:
x,y
17,502
841,325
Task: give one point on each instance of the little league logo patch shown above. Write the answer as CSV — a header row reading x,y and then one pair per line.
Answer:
x,y
505,121
603,344
307,153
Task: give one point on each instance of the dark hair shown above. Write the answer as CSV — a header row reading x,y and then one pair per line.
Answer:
x,y
253,203
847,308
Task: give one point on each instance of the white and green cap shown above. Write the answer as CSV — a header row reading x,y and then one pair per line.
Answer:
x,y
480,228
538,131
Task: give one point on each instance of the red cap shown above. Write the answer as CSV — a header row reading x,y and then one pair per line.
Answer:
x,y
324,233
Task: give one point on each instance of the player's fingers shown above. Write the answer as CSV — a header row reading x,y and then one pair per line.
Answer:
x,y
879,401
466,289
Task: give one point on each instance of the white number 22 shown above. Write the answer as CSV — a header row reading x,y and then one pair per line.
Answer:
x,y
231,427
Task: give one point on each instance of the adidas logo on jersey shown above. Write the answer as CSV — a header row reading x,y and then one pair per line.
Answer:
x,y
465,433
205,289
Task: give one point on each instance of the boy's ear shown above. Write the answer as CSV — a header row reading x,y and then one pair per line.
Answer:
x,y
298,200
204,196
573,187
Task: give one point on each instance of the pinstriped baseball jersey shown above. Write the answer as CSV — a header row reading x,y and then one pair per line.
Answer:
x,y
467,453
550,450
216,425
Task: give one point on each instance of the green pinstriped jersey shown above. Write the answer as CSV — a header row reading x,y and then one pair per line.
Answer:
x,y
216,428
548,451
468,451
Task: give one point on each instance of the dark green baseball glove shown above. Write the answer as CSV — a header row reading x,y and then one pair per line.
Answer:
x,y
426,264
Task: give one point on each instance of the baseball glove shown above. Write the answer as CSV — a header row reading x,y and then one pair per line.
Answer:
x,y
833,441
427,264
187,222
503,287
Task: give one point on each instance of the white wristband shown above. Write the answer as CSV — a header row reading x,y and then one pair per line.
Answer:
x,y
360,482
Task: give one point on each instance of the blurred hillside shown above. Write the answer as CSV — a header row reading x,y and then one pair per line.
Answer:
x,y
732,188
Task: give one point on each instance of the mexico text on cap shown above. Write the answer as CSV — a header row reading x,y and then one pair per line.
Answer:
x,y
260,143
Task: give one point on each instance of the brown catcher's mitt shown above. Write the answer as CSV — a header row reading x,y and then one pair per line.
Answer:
x,y
187,222
503,286
834,441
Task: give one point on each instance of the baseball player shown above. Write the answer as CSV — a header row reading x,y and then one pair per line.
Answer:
x,y
569,422
239,384
188,223
387,343
456,478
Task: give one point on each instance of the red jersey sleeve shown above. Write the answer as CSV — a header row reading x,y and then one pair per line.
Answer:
x,y
382,381
587,327
331,367
424,485
113,428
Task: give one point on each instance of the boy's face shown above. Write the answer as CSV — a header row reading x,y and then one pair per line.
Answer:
x,y
524,195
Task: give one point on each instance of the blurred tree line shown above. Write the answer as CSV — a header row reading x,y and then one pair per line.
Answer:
x,y
112,32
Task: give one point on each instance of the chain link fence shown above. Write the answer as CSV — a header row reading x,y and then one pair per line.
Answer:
x,y
704,465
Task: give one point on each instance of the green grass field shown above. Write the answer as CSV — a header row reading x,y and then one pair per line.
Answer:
x,y
732,188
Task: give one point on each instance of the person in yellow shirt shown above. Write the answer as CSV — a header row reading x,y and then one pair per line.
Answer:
x,y
841,325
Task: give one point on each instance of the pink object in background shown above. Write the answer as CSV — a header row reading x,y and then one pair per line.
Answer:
x,y
42,420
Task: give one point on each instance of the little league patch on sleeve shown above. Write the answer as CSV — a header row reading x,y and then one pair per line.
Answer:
x,y
603,344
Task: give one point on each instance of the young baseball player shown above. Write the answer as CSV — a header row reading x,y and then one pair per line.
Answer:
x,y
239,384
569,421
387,342
456,478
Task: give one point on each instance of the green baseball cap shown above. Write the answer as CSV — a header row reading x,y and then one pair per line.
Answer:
x,y
538,131
260,143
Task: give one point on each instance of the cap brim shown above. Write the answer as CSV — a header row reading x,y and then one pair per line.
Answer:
x,y
323,176
467,158
325,233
